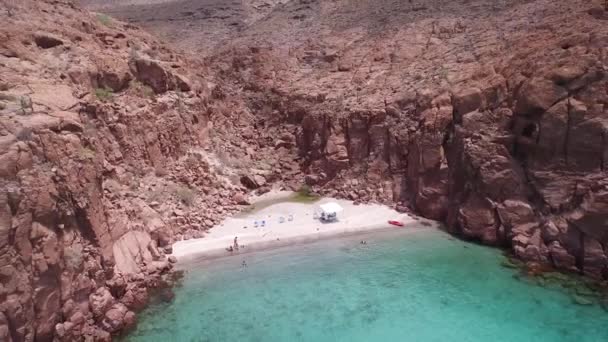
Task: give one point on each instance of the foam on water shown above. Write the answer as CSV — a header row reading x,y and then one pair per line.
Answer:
x,y
401,286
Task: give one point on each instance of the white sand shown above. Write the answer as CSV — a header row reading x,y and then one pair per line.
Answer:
x,y
303,227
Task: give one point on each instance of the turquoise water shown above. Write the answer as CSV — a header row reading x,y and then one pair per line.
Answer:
x,y
416,286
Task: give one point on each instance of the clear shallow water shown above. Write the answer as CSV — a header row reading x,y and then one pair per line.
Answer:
x,y
416,286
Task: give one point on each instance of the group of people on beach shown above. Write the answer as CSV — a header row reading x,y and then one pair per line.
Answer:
x,y
235,245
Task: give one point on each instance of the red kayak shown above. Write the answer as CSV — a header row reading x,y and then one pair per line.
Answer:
x,y
396,223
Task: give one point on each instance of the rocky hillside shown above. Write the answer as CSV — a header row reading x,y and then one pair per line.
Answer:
x,y
200,26
108,153
488,115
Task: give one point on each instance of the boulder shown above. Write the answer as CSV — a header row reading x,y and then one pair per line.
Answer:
x,y
115,79
550,231
311,179
151,73
537,95
117,285
130,250
514,212
239,198
117,317
560,257
135,298
129,320
47,40
260,180
162,238
100,301
592,220
56,97
477,220
155,75
158,266
253,181
467,100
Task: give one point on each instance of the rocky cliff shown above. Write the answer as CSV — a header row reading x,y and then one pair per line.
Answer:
x,y
107,154
488,115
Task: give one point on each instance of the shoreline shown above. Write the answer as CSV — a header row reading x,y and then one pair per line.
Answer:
x,y
303,228
295,241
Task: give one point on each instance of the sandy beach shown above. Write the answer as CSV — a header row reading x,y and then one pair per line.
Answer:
x,y
299,225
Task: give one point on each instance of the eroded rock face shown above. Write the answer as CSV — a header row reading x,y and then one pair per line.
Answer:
x,y
158,76
132,249
90,197
112,146
505,142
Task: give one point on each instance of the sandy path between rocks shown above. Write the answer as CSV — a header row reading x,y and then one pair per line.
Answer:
x,y
303,228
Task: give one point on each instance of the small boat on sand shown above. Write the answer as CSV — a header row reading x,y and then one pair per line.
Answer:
x,y
396,223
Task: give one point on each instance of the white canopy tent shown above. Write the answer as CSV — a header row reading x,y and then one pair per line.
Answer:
x,y
329,211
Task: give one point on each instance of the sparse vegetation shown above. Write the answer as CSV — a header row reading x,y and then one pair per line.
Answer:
x,y
305,190
157,195
104,94
305,195
27,105
234,178
9,8
89,126
24,134
229,160
160,171
104,19
72,256
112,185
142,89
185,195
134,52
147,91
86,153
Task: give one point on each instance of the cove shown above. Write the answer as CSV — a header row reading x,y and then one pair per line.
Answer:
x,y
403,285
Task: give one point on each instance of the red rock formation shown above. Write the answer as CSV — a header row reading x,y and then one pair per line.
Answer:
x,y
103,164
497,127
492,119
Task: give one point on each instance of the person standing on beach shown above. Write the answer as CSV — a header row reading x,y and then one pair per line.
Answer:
x,y
236,244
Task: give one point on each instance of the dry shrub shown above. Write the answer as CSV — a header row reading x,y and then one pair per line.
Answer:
x,y
72,255
104,19
104,94
185,195
160,171
25,134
